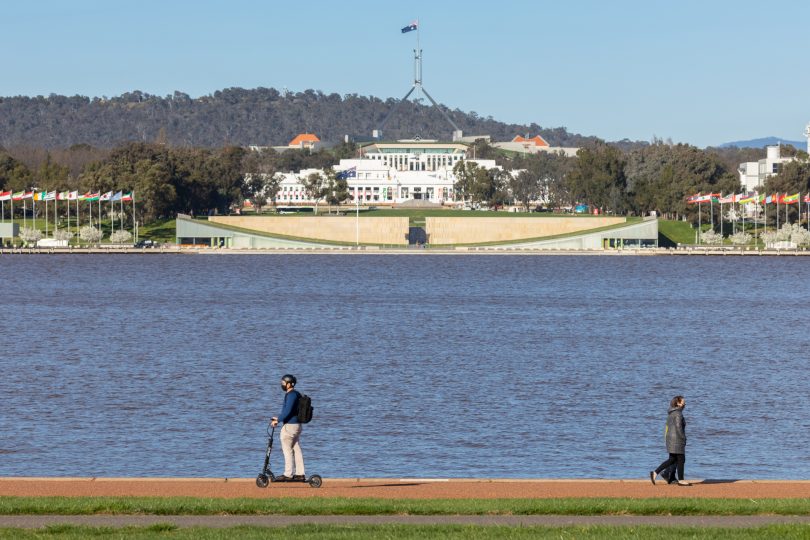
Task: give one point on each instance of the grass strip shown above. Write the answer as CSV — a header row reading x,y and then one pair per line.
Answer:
x,y
370,506
307,532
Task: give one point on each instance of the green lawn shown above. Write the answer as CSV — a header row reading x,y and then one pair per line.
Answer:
x,y
370,506
318,532
160,231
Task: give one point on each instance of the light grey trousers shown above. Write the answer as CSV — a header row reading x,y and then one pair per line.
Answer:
x,y
290,435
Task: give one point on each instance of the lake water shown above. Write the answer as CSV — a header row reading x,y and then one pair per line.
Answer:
x,y
442,366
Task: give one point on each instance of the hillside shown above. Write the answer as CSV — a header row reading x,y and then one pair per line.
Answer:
x,y
235,116
762,143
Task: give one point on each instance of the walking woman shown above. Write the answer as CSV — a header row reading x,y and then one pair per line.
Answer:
x,y
675,435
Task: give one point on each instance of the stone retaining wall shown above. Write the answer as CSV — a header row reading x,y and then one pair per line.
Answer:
x,y
476,230
373,230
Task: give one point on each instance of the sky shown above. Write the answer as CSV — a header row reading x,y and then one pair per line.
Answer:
x,y
700,72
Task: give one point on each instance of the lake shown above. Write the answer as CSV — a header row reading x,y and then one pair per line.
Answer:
x,y
418,366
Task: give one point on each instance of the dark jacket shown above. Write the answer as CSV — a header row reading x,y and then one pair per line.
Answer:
x,y
676,431
289,411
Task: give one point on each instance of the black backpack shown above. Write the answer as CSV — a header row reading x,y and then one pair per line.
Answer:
x,y
304,409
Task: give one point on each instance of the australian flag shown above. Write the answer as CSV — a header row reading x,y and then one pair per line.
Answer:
x,y
347,173
410,27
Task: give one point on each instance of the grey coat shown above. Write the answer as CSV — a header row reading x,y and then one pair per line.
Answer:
x,y
676,431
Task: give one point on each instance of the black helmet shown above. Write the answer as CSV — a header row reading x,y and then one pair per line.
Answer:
x,y
289,378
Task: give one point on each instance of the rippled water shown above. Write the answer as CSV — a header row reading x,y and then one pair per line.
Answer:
x,y
483,366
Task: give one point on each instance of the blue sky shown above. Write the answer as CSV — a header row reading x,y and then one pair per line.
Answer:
x,y
702,72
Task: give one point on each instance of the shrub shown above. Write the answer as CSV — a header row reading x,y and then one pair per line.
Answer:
x,y
741,238
90,234
712,238
30,236
120,237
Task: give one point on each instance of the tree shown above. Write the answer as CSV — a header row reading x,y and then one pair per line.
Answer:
x,y
314,187
336,188
464,171
30,236
121,237
597,178
90,234
62,235
525,188
14,175
254,189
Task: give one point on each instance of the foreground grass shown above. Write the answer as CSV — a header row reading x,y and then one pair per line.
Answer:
x,y
306,532
369,506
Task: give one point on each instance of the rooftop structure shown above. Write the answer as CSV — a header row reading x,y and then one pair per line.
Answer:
x,y
393,172
754,173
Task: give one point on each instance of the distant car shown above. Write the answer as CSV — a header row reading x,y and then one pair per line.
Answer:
x,y
147,244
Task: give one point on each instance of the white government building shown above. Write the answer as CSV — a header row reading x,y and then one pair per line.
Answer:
x,y
393,172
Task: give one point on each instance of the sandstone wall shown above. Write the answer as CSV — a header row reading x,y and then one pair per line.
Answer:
x,y
373,230
475,230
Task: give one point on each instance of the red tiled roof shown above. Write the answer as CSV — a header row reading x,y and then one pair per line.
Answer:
x,y
537,140
304,138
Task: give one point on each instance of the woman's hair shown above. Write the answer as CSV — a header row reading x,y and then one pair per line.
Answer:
x,y
677,401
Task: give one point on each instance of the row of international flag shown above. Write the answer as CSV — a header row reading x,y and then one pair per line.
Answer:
x,y
65,196
748,198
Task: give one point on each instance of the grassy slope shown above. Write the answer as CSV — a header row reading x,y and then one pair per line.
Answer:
x,y
369,506
672,233
318,532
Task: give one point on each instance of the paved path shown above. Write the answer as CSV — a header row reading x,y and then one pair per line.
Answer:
x,y
404,488
35,522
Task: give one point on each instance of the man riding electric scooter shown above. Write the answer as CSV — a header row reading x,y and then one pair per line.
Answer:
x,y
290,432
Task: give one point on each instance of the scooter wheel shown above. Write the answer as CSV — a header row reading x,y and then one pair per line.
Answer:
x,y
262,480
315,481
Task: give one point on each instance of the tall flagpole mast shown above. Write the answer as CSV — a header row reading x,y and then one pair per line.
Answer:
x,y
134,221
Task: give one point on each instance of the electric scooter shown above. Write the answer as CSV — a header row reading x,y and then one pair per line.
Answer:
x,y
267,476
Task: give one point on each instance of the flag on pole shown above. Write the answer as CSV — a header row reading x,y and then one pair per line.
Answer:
x,y
106,196
62,196
91,196
28,195
18,196
747,200
411,27
807,198
127,197
727,199
50,196
5,195
73,196
39,196
117,197
792,199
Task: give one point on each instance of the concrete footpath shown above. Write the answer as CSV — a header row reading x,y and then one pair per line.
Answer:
x,y
36,522
400,488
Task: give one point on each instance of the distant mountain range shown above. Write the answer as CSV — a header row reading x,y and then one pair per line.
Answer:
x,y
763,142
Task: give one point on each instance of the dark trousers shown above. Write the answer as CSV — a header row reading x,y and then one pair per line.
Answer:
x,y
674,459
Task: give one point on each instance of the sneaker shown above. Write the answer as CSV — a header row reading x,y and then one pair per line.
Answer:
x,y
683,483
281,478
652,477
299,478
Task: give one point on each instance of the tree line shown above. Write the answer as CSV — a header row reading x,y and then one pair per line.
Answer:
x,y
167,180
655,177
236,117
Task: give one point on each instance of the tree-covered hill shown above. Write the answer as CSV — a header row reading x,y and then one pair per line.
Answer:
x,y
236,116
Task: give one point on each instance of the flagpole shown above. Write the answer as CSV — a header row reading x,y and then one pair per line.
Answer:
x,y
25,219
777,212
134,222
700,224
721,216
